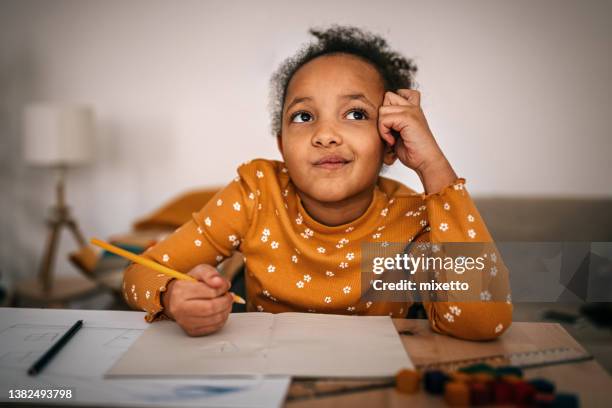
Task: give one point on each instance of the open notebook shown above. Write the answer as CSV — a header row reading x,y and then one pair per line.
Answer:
x,y
295,344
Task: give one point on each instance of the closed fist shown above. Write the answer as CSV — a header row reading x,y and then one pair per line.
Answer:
x,y
200,307
402,124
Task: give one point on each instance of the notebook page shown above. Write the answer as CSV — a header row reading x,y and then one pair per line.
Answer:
x,y
318,345
165,350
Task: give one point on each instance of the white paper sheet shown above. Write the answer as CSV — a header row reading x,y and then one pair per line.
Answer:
x,y
25,334
296,344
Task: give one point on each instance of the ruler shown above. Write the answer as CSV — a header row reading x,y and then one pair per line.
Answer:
x,y
525,359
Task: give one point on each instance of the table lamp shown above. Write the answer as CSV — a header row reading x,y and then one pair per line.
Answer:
x,y
57,137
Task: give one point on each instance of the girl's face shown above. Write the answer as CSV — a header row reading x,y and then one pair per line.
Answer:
x,y
329,137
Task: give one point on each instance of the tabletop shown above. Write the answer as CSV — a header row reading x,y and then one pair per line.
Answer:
x,y
586,378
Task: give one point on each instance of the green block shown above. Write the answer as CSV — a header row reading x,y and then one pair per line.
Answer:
x,y
509,370
478,368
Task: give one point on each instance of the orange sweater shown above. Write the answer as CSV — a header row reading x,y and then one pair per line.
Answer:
x,y
295,263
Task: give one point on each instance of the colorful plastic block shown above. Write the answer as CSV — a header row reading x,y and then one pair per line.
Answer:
x,y
509,370
478,368
480,393
457,394
503,392
523,393
566,401
542,385
407,381
435,381
543,399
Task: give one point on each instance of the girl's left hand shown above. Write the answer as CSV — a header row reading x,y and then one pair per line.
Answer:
x,y
401,112
415,146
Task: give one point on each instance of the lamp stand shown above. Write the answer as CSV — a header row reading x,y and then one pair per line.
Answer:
x,y
60,218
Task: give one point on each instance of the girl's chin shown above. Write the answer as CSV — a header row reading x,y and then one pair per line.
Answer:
x,y
331,194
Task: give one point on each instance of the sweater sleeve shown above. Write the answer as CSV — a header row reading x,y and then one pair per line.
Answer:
x,y
210,236
456,230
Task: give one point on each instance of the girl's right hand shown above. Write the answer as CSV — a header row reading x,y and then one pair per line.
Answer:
x,y
201,307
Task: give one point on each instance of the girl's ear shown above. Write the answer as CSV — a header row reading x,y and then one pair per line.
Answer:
x,y
389,156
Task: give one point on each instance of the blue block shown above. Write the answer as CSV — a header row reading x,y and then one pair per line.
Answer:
x,y
542,385
435,381
566,401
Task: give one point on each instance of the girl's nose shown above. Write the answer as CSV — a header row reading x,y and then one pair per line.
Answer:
x,y
326,136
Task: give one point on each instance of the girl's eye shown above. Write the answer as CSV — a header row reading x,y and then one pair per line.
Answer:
x,y
301,117
357,114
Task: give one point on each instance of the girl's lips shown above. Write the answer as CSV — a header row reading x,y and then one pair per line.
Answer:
x,y
331,165
331,162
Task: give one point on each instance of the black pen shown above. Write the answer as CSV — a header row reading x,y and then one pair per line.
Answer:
x,y
48,356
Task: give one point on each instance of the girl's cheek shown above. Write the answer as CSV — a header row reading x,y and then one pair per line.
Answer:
x,y
293,152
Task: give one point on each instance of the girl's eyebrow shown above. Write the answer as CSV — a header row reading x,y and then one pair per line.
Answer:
x,y
358,96
298,100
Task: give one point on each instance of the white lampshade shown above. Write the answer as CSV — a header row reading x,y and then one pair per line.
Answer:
x,y
58,134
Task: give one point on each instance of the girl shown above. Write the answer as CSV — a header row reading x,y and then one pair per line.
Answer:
x,y
342,108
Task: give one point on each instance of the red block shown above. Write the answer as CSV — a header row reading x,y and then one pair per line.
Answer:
x,y
523,393
504,392
542,399
481,393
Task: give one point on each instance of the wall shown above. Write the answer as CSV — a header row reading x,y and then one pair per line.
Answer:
x,y
517,94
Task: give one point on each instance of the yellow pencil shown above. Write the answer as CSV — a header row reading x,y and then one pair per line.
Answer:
x,y
151,264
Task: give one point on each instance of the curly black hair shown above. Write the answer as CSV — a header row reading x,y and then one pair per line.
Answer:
x,y
397,71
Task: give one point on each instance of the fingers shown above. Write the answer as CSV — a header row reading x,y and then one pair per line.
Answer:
x,y
206,315
413,97
201,307
199,317
385,133
210,275
392,118
208,307
392,99
203,330
196,290
392,110
196,325
191,321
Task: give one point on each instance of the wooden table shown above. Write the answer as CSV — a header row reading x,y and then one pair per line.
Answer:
x,y
587,379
